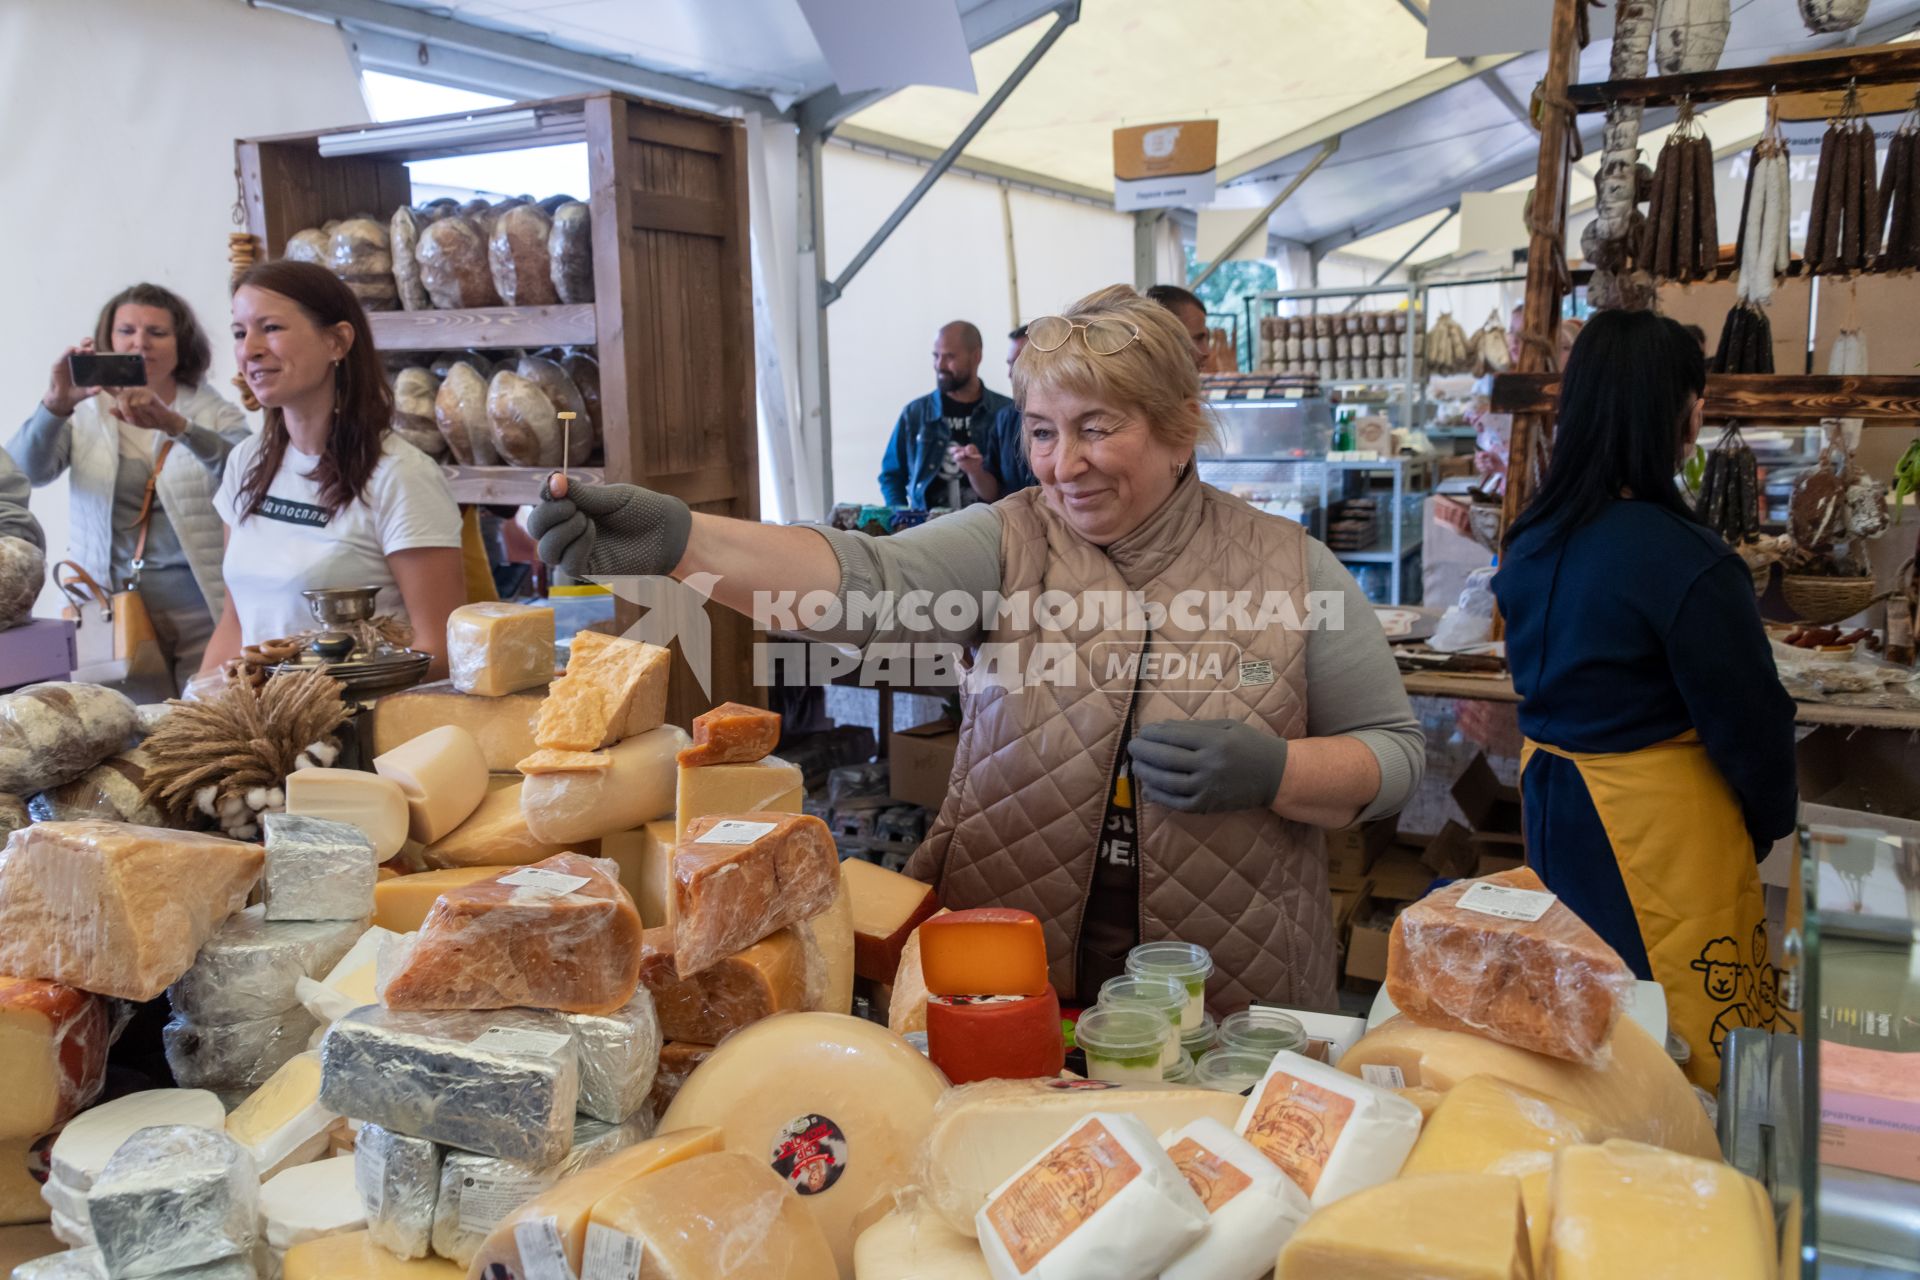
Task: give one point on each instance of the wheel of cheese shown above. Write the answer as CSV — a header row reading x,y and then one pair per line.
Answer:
x,y
996,1037
837,1106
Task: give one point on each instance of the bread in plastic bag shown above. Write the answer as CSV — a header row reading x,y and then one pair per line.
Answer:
x,y
414,392
518,256
570,246
250,967
460,412
451,255
235,1057
174,1197
110,791
782,973
403,239
310,245
739,878
23,567
525,427
52,733
557,386
359,254
619,1053
60,1038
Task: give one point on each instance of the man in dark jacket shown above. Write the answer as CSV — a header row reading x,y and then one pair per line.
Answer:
x,y
923,466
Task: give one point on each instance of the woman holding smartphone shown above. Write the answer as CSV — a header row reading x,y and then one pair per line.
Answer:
x,y
146,461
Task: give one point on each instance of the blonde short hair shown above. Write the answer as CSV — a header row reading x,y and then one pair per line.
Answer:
x,y
1153,377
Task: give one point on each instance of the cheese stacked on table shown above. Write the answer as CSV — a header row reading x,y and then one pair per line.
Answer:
x,y
991,1013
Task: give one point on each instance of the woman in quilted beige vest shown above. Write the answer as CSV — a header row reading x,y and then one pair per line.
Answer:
x,y
1166,691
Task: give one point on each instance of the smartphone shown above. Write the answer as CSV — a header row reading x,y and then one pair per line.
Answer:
x,y
107,369
962,435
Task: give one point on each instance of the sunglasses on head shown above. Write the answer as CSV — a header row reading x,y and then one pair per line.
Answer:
x,y
1104,336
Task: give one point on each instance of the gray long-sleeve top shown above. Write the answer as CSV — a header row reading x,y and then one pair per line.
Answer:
x,y
1353,684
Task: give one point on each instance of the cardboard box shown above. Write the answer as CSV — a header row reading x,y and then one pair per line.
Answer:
x,y
1346,903
1488,803
1351,850
1494,863
1399,876
920,761
1367,945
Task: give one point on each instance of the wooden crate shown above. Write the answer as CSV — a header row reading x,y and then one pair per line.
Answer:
x,y
671,320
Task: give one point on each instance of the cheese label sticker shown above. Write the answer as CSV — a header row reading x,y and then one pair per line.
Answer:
x,y
810,1152
1297,1125
1042,1207
1213,1179
735,831
1526,905
544,884
542,1255
964,1000
370,1180
1383,1077
486,1198
610,1254
1079,1086
538,1044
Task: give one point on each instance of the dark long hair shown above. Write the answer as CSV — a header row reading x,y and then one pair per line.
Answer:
x,y
192,352
1629,384
362,401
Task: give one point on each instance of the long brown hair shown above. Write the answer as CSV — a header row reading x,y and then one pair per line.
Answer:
x,y
192,352
362,401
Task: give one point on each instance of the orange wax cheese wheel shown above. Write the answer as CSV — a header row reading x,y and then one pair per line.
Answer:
x,y
401,902
1444,1226
678,1060
738,878
996,1037
783,972
53,1054
561,934
718,1215
1503,958
732,733
613,689
985,951
887,908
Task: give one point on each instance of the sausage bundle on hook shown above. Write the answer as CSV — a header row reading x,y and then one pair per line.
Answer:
x,y
1844,228
1681,241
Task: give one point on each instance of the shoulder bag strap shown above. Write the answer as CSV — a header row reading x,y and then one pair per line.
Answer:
x,y
146,508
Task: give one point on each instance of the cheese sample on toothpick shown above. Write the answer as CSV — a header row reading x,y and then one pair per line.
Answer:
x,y
612,689
1331,1133
354,1256
443,775
368,801
832,931
317,869
282,1122
986,951
502,726
732,733
645,858
635,787
737,879
495,834
887,908
765,786
783,972
714,1215
116,909
914,1244
400,904
495,647
53,1054
1627,1209
1440,1226
1252,1207
311,1201
90,1138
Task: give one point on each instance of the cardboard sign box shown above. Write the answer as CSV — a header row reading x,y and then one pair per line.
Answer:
x,y
1351,850
920,761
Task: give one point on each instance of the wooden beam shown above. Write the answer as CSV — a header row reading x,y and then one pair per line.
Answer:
x,y
1900,65
1755,397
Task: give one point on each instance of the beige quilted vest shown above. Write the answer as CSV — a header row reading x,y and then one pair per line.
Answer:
x,y
1031,777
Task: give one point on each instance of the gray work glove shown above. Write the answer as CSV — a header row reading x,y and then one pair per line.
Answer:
x,y
602,529
1208,766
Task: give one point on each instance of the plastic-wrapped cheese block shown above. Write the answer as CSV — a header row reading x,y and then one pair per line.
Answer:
x,y
1252,1207
317,869
477,1192
914,1244
837,1106
235,1055
282,1122
1331,1133
612,689
54,732
723,1214
173,1197
90,1138
74,1264
533,1241
561,934
1627,1209
72,1232
983,1133
368,801
503,1082
1442,1226
401,904
1103,1200
497,647
68,1203
832,930
115,909
351,981
887,908
1639,1094
443,775
678,1060
645,858
309,1201
732,733
995,1037
1502,957
398,1181
737,879
494,834
907,1002
355,1256
987,951
765,786
781,973
249,967
53,1054
634,787
619,1053
503,726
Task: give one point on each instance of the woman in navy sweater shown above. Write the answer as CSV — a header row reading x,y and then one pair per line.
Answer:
x,y
1659,764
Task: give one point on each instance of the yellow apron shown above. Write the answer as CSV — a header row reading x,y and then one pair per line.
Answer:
x,y
1687,862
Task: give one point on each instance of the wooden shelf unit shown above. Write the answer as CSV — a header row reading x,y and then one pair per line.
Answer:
x,y
672,316
1753,397
1879,66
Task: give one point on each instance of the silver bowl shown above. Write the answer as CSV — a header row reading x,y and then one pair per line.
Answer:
x,y
334,606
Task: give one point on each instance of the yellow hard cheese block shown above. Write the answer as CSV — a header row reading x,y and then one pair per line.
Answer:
x,y
713,1216
495,835
400,904
832,930
282,1122
553,1225
1624,1209
355,1256
443,775
646,868
20,1199
765,786
496,647
368,801
1442,1226
502,726
612,689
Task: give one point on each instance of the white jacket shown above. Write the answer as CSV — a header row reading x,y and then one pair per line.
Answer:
x,y
88,443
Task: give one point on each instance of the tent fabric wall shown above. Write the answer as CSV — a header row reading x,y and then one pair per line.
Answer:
x,y
790,461
116,153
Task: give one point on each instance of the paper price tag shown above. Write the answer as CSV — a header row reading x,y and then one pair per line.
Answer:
x,y
542,1255
610,1255
1526,905
735,831
546,884
1382,1076
486,1198
1256,393
540,1044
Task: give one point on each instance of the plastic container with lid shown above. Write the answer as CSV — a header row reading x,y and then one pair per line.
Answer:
x,y
1162,994
1186,963
1201,1038
1230,1070
1262,1032
1124,1043
1180,1072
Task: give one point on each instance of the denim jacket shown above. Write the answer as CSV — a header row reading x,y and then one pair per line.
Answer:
x,y
919,445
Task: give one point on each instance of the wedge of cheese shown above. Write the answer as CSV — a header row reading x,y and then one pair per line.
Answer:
x,y
496,834
1443,1226
612,689
722,1214
1627,1209
53,1054
496,647
887,908
645,857
503,726
732,733
737,879
781,973
765,786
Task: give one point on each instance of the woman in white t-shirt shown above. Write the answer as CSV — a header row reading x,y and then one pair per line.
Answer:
x,y
326,495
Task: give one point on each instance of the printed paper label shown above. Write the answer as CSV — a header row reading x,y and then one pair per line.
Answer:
x,y
1045,1205
542,1255
539,1044
1079,1086
735,831
810,1152
1256,673
369,1179
610,1254
1383,1077
545,884
1297,1125
486,1198
1212,1178
1525,905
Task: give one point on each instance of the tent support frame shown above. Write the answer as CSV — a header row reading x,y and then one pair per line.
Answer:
x,y
1259,220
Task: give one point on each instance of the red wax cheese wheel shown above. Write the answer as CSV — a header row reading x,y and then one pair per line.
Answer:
x,y
996,1037
987,951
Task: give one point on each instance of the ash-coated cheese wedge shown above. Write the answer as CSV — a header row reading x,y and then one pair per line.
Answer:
x,y
172,1198
401,903
116,909
1439,1226
722,1214
1103,1200
1627,1209
983,1133
766,786
986,951
887,908
914,1244
732,733
355,1256
737,879
496,647
283,1118
612,689
782,973
53,1054
561,934
443,775
645,858
398,1181
310,1201
251,966
635,787
838,1107
1331,1133
374,804
503,726
1252,1207
995,1037
496,834
90,1138
619,1053
317,869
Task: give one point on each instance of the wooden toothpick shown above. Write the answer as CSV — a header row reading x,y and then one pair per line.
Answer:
x,y
566,440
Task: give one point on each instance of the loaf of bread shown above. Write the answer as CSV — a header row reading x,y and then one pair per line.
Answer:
x,y
52,733
554,202
434,210
361,257
312,245
488,217
452,259
571,248
109,791
23,567
446,360
403,234
414,419
460,411
562,395
526,432
522,270
585,372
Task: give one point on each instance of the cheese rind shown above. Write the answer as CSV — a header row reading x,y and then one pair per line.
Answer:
x,y
374,804
722,1214
646,868
619,1053
310,1201
90,1138
496,647
1441,1226
251,966
1627,1209
494,834
613,688
887,908
765,786
172,1198
781,973
502,726
985,951
1016,1037
401,904
53,1054
914,1244
355,1256
732,733
735,884
635,788
283,1115
317,869
443,775
116,909
1331,1133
